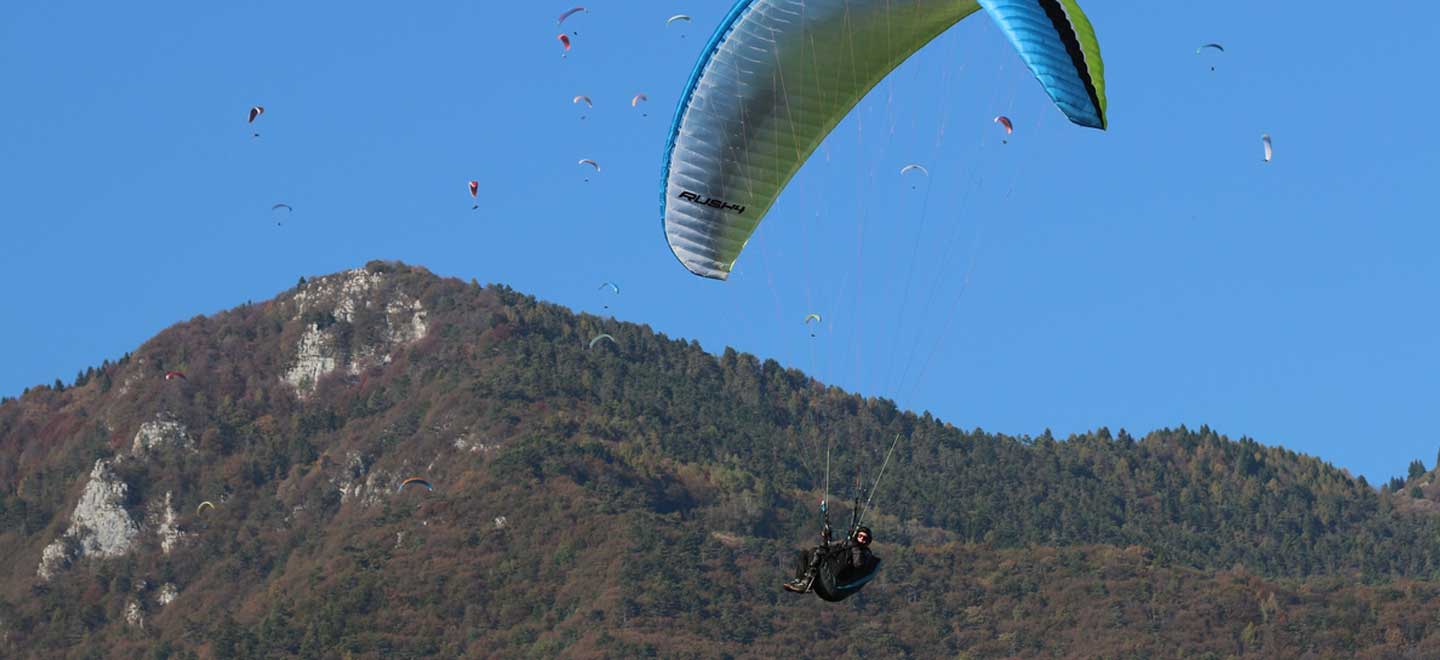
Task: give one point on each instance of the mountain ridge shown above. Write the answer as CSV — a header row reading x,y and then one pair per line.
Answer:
x,y
297,418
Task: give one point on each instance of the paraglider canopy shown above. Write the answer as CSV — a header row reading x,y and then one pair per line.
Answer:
x,y
172,375
1215,47
599,337
255,113
417,481
736,143
570,12
1009,127
613,289
813,318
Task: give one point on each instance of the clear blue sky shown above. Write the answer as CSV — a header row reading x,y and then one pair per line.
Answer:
x,y
1153,275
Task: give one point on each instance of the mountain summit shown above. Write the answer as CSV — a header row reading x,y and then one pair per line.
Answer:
x,y
237,487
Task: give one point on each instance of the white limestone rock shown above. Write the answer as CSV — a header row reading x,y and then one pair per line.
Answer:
x,y
167,594
163,432
134,616
344,296
359,484
163,519
54,558
470,444
316,355
100,526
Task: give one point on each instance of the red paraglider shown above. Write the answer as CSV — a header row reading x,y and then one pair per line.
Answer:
x,y
1009,126
565,41
172,375
475,194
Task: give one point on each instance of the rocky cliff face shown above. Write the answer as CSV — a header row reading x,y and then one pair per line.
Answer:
x,y
165,431
99,526
348,323
353,321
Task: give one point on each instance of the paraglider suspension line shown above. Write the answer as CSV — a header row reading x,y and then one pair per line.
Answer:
x,y
855,508
824,508
878,477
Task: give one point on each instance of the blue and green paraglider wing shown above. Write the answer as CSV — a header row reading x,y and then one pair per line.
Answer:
x,y
779,75
1057,42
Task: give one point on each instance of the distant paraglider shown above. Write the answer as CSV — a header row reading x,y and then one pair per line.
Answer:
x,y
202,506
1009,127
599,337
255,113
417,481
1215,47
591,163
174,375
1269,148
475,194
613,289
565,41
570,12
914,167
637,100
581,98
812,318
682,18
277,207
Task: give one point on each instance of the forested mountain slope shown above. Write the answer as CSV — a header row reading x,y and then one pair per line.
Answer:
x,y
638,497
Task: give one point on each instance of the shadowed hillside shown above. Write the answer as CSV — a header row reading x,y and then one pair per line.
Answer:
x,y
639,497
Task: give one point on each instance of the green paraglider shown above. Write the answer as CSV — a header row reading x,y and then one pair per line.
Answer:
x,y
813,318
737,139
